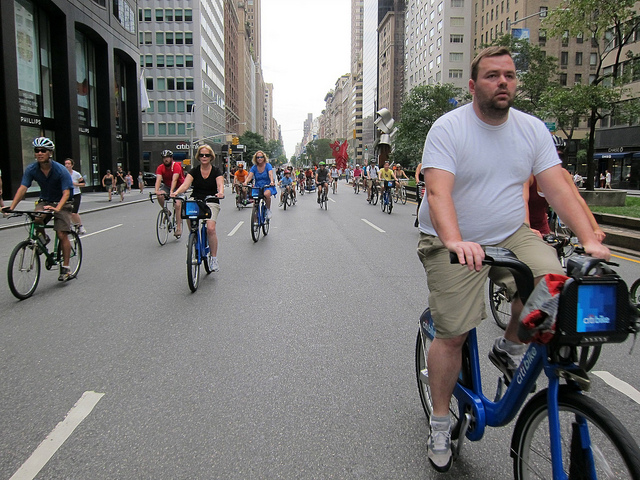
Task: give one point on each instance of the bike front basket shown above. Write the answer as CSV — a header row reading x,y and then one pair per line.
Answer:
x,y
195,209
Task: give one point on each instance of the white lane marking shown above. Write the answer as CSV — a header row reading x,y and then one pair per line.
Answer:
x,y
620,385
100,231
372,225
235,229
57,437
331,200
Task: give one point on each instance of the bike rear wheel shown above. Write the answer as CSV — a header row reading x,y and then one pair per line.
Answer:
x,y
500,304
265,220
255,223
403,195
374,195
634,292
609,449
75,258
390,203
162,227
23,272
193,262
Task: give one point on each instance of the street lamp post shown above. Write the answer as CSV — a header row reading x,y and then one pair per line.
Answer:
x,y
541,14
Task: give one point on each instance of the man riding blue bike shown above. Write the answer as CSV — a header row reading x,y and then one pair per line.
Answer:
x,y
56,187
475,161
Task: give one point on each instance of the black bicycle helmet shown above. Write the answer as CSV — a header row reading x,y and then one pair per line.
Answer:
x,y
44,142
166,153
558,142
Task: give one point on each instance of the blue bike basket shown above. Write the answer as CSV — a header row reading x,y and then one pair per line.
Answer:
x,y
191,209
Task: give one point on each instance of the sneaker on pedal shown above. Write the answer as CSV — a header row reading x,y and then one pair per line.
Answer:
x,y
507,357
439,446
268,214
81,230
65,274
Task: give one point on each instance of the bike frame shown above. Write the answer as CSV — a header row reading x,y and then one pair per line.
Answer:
x,y
499,413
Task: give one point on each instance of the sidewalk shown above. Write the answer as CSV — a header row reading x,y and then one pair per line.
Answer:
x,y
91,202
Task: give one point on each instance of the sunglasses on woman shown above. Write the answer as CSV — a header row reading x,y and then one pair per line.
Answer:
x,y
40,150
205,154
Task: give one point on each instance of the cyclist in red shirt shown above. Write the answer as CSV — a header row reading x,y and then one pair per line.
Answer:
x,y
169,177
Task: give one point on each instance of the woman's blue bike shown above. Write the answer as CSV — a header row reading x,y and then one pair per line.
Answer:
x,y
386,202
560,433
259,220
198,244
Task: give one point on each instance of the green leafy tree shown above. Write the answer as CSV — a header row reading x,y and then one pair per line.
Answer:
x,y
253,142
319,150
536,73
420,109
611,26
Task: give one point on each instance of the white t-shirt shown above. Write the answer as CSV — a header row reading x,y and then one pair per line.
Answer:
x,y
76,177
372,171
490,164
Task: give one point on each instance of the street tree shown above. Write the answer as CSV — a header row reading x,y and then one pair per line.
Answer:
x,y
420,109
253,142
611,25
319,150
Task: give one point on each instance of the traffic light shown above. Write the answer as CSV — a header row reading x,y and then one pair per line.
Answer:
x,y
235,141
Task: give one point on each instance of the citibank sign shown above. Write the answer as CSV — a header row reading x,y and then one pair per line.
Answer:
x,y
182,146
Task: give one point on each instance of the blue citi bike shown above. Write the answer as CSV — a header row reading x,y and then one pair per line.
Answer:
x,y
194,211
386,202
259,220
560,433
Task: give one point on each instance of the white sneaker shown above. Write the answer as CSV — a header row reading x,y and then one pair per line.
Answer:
x,y
214,264
439,449
268,214
81,230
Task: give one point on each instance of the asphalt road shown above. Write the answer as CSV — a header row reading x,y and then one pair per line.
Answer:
x,y
295,360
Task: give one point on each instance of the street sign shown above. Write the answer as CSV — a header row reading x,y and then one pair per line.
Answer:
x,y
551,126
217,140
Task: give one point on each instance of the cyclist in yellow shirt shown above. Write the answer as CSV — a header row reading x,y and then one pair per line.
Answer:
x,y
386,175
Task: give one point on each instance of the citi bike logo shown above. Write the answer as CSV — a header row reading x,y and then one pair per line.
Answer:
x,y
596,320
526,363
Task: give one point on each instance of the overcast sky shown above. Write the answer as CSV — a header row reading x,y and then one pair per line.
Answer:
x,y
306,47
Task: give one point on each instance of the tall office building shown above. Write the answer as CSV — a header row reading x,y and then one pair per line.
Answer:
x,y
369,75
355,126
68,71
438,42
391,59
182,50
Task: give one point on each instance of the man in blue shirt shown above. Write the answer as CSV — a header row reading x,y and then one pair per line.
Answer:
x,y
286,184
55,189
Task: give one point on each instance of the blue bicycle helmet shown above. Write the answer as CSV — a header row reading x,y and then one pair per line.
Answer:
x,y
44,142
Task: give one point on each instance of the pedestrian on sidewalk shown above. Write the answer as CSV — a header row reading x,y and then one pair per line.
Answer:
x,y
141,182
129,180
107,183
121,183
78,181
607,179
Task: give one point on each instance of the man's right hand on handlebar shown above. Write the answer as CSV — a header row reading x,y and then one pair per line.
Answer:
x,y
470,254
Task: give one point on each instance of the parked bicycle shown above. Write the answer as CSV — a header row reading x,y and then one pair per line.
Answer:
x,y
166,220
400,193
386,202
24,268
560,433
198,244
259,220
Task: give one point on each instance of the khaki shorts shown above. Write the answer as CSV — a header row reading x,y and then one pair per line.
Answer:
x,y
457,295
61,219
215,210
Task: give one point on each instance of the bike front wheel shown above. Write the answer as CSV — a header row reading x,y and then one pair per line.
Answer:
x,y
594,443
255,223
193,262
265,220
75,257
403,195
162,227
24,270
500,304
634,292
374,196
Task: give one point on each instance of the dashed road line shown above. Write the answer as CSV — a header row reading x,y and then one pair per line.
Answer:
x,y
620,385
57,437
235,229
372,225
100,231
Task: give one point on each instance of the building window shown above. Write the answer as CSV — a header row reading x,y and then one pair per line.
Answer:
x,y
577,79
171,83
188,38
162,106
455,73
151,129
578,58
180,61
563,79
159,38
179,38
171,106
159,61
180,106
580,38
125,15
168,15
565,38
147,38
189,84
188,15
564,59
149,83
169,62
182,129
457,22
169,38
147,14
177,14
542,37
151,105
179,83
456,38
457,3
172,128
159,15
188,61
456,56
162,84
162,129
593,59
